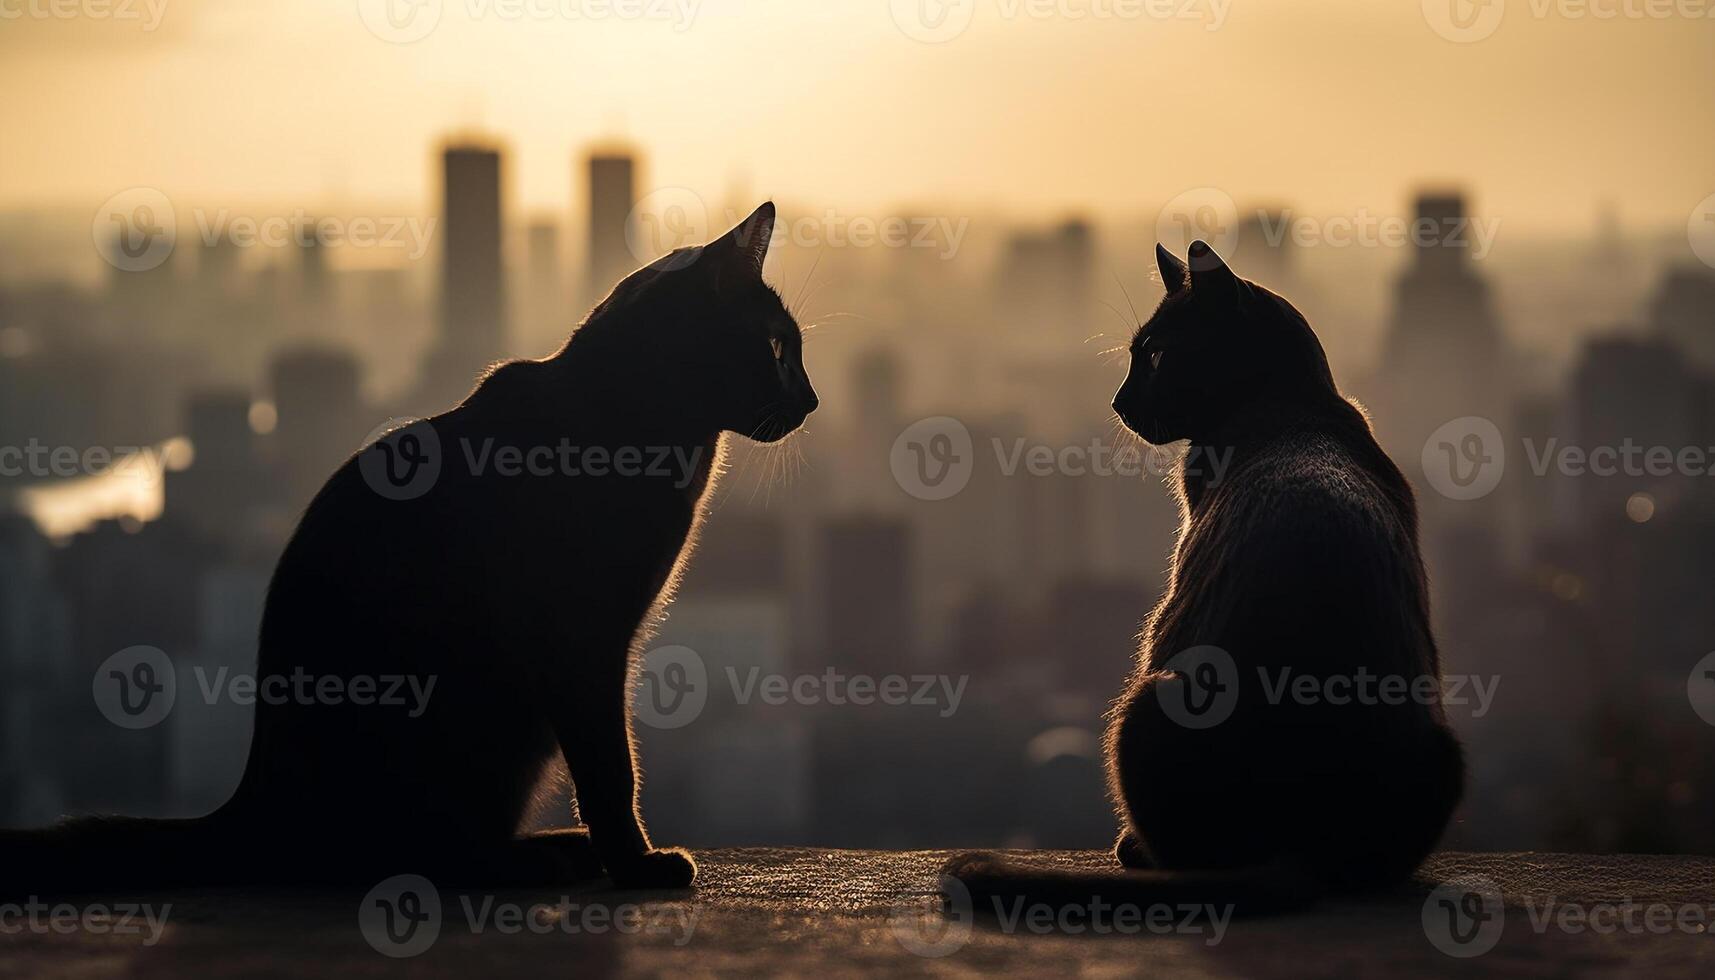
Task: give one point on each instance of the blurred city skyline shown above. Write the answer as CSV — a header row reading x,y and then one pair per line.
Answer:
x,y
1563,296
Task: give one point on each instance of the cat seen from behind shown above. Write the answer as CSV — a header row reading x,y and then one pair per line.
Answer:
x,y
1246,763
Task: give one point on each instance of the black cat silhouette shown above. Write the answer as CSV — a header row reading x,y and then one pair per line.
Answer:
x,y
1245,763
513,553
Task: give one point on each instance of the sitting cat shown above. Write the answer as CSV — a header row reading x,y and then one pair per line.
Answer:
x,y
514,552
1299,560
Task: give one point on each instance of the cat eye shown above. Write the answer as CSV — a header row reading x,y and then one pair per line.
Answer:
x,y
779,348
1155,361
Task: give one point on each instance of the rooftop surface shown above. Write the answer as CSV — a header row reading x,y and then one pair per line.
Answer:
x,y
836,913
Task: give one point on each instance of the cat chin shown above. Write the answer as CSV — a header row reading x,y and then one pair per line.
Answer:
x,y
772,434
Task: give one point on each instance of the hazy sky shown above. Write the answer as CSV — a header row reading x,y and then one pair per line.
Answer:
x,y
1329,105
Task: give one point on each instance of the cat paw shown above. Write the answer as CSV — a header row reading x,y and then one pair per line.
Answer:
x,y
1129,850
663,868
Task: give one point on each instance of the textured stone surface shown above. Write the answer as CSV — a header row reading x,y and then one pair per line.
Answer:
x,y
810,912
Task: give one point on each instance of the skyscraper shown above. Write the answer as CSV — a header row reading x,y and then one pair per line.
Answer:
x,y
473,294
545,318
318,398
612,195
1443,356
1444,360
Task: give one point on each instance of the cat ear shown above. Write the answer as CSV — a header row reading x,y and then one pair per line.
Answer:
x,y
1210,275
743,250
1173,273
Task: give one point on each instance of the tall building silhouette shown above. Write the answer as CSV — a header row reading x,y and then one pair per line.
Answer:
x,y
612,195
1443,355
1683,311
1444,358
1044,287
1444,322
473,292
225,483
321,417
545,319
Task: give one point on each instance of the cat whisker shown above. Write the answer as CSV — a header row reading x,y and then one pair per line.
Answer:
x,y
798,302
1121,284
1115,311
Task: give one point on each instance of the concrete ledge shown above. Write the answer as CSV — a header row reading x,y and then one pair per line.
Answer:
x,y
834,913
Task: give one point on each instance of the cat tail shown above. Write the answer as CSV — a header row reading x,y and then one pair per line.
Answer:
x,y
994,885
104,854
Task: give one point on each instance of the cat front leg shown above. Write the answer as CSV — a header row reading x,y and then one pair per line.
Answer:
x,y
594,729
